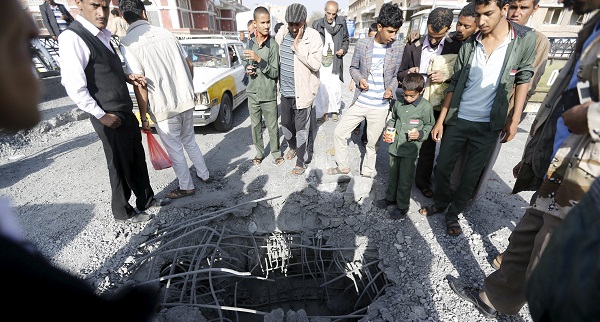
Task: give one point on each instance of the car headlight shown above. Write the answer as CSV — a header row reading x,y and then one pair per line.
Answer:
x,y
202,98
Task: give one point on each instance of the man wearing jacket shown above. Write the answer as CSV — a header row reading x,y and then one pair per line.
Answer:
x,y
300,52
263,72
475,109
569,151
56,17
416,59
155,53
374,68
334,35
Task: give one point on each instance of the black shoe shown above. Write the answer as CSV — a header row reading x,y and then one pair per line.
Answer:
x,y
398,213
384,203
471,295
137,218
158,203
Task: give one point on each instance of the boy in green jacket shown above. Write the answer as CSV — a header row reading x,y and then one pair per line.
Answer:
x,y
410,124
261,58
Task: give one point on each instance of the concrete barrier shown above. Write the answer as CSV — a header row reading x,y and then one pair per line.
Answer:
x,y
52,88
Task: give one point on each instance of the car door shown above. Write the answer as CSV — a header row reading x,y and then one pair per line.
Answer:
x,y
238,75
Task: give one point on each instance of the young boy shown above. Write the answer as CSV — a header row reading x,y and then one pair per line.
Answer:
x,y
412,119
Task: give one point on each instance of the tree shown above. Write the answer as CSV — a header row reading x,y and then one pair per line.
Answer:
x,y
315,15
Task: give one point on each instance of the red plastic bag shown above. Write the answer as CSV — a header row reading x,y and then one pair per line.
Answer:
x,y
159,158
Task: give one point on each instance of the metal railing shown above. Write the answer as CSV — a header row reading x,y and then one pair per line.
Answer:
x,y
561,48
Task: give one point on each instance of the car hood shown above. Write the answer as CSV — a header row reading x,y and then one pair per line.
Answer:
x,y
204,77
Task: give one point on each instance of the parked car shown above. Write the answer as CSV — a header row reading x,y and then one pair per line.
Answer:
x,y
217,78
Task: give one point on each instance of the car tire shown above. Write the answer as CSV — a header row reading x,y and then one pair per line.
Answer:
x,y
224,121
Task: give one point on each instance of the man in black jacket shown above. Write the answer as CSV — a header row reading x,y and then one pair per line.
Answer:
x,y
416,59
56,17
334,34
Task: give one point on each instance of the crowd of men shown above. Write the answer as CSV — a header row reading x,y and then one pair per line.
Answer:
x,y
464,91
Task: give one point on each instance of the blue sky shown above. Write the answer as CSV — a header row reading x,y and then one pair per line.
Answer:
x,y
311,5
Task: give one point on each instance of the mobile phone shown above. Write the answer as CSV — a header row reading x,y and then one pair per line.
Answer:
x,y
584,92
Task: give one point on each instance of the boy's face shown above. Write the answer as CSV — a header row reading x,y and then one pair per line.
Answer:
x,y
385,35
488,17
263,23
465,27
411,96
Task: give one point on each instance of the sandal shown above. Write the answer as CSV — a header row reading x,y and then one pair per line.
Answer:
x,y
256,161
279,161
430,211
335,117
290,154
497,261
453,228
178,193
428,193
298,170
336,170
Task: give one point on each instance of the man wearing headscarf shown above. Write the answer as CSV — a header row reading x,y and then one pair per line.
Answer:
x,y
300,52
334,35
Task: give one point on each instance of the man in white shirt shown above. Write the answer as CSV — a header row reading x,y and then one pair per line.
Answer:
x,y
94,79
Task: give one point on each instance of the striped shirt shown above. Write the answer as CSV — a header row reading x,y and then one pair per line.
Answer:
x,y
286,71
373,98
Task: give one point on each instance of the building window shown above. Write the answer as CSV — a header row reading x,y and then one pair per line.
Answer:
x,y
553,16
576,19
153,18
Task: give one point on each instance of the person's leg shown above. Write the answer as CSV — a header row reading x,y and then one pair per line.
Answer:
x,y
352,117
505,288
302,124
394,175
188,139
286,109
454,136
480,145
376,119
169,131
425,162
405,181
120,191
255,111
130,145
269,111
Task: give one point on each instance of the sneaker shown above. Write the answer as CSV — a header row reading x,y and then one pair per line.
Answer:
x,y
158,203
137,218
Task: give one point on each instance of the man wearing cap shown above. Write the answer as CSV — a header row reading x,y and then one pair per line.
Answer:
x,y
157,54
300,51
92,74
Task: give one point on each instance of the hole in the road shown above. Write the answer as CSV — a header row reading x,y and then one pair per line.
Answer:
x,y
236,276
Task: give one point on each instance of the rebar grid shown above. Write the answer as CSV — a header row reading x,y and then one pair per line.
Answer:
x,y
227,273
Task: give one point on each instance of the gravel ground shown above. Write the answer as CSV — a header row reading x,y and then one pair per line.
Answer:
x,y
56,177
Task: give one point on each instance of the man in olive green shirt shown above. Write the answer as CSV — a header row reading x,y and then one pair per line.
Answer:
x,y
261,58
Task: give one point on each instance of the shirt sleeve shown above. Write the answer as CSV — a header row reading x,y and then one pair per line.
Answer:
x,y
74,56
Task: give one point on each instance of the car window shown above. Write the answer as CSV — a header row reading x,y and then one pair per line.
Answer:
x,y
207,55
240,50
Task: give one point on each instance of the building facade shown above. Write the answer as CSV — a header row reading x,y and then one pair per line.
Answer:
x,y
551,18
178,16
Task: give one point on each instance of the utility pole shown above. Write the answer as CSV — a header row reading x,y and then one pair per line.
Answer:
x,y
433,5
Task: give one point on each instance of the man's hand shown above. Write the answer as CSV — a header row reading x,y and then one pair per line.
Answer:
x,y
54,37
146,125
110,120
251,55
509,131
437,77
413,70
340,52
363,84
136,80
576,119
517,168
412,135
250,70
437,131
298,37
388,94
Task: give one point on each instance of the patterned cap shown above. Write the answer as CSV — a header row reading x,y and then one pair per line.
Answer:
x,y
295,13
133,6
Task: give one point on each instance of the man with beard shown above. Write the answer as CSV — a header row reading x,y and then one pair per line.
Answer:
x,y
334,34
569,151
